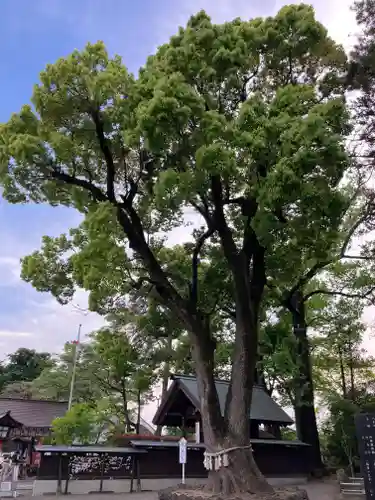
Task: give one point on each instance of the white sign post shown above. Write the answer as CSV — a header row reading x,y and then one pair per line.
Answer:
x,y
197,432
182,446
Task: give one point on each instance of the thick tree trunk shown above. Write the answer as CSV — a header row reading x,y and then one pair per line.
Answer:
x,y
306,425
165,378
242,475
232,433
139,409
342,374
351,371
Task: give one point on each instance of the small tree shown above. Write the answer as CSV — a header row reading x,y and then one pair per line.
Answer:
x,y
124,372
82,424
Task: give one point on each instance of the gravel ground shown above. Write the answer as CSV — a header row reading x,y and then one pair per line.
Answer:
x,y
317,490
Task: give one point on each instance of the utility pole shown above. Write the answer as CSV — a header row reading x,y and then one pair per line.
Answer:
x,y
75,358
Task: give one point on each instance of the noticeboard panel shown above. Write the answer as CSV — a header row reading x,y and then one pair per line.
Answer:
x,y
365,431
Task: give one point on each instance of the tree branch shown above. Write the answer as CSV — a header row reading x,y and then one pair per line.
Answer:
x,y
357,257
313,271
319,266
351,232
229,246
195,260
204,212
341,294
230,312
95,115
97,193
132,227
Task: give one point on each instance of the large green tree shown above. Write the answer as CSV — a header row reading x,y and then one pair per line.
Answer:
x,y
244,124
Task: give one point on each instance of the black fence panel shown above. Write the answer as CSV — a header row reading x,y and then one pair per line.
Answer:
x,y
273,459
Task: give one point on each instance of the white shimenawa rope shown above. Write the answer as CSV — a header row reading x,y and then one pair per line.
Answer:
x,y
218,459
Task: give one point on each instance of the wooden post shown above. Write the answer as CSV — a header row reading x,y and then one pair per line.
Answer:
x,y
67,479
254,429
277,431
101,474
139,486
183,426
59,475
133,474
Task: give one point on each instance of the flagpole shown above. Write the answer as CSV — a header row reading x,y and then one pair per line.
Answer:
x,y
77,344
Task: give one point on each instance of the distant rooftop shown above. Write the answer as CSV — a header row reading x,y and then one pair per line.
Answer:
x,y
32,412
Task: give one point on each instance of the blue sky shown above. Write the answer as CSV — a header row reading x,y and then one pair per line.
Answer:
x,y
36,32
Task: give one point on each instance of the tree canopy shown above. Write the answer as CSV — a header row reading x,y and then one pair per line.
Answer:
x,y
239,127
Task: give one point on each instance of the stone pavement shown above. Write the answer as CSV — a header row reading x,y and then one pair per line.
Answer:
x,y
317,490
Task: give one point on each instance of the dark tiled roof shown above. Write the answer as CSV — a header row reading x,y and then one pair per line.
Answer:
x,y
88,449
144,443
33,413
174,444
263,407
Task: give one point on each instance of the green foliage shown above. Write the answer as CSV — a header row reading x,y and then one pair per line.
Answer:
x,y
340,363
19,390
82,424
24,365
122,370
277,360
109,368
54,382
338,434
178,432
187,106
288,434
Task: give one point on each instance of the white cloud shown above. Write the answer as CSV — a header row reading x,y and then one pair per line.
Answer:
x,y
52,324
29,318
9,271
15,334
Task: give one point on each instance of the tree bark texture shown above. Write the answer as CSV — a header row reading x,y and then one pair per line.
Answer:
x,y
306,425
165,378
232,430
342,374
351,370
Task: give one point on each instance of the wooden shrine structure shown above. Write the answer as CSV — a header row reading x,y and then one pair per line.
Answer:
x,y
24,421
180,408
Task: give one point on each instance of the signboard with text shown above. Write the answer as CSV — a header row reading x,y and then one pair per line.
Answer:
x,y
29,432
365,431
182,445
